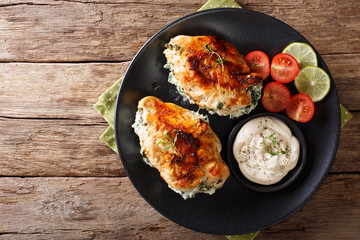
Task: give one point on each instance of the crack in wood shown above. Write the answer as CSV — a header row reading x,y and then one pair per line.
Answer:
x,y
38,118
343,173
67,62
102,123
23,233
128,2
25,4
330,54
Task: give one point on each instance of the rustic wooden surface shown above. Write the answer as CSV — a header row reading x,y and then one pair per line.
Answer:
x,y
58,181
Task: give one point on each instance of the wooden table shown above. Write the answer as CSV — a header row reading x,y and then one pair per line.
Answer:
x,y
58,181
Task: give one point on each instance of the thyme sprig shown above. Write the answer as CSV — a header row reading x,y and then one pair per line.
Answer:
x,y
219,59
269,148
165,139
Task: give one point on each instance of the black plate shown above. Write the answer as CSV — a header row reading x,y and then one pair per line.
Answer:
x,y
234,209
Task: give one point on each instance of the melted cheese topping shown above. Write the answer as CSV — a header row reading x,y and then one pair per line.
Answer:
x,y
266,150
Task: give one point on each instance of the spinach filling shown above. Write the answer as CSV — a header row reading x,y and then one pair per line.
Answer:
x,y
203,187
255,96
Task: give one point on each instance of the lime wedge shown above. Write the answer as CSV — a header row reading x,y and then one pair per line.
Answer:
x,y
303,53
314,82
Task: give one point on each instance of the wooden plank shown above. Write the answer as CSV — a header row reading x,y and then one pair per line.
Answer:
x,y
68,91
110,208
55,148
114,31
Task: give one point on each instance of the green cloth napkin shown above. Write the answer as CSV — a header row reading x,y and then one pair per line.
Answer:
x,y
345,115
107,101
249,236
220,4
106,107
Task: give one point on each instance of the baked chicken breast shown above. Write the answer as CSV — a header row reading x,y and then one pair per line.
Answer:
x,y
210,72
181,145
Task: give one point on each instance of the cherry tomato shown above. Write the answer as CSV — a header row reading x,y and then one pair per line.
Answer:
x,y
276,97
284,68
258,62
300,108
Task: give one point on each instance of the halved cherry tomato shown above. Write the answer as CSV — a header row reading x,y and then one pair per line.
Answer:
x,y
284,68
301,108
258,62
276,97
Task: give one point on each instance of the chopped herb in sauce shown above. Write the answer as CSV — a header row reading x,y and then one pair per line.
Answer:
x,y
271,148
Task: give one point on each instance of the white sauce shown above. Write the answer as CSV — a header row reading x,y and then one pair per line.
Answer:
x,y
266,150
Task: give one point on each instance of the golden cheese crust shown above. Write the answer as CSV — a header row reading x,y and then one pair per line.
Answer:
x,y
211,73
181,145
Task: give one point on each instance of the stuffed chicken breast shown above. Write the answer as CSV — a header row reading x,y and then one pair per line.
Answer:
x,y
210,72
180,144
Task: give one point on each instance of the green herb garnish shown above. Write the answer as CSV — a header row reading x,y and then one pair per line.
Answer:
x,y
170,143
219,59
269,148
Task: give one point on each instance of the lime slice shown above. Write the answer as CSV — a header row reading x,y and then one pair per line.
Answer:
x,y
303,53
314,82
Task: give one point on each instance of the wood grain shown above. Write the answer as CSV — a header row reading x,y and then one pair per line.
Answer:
x,y
73,31
348,155
344,69
110,208
55,148
57,91
332,214
324,23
